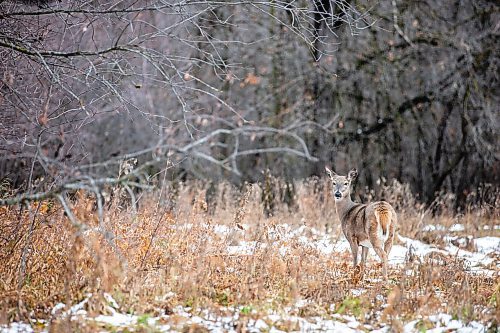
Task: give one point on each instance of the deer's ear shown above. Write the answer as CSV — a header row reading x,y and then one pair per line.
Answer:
x,y
330,172
352,174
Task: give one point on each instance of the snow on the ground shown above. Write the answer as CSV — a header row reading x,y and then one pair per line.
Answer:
x,y
473,259
75,310
245,248
487,245
414,247
358,292
445,323
454,228
495,227
280,237
272,322
432,227
457,227
117,319
16,328
222,229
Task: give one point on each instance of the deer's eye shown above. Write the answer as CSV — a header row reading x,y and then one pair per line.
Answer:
x,y
334,183
346,183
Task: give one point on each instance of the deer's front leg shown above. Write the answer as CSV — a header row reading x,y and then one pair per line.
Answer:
x,y
354,250
364,254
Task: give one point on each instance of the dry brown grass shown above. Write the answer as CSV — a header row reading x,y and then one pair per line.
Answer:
x,y
172,246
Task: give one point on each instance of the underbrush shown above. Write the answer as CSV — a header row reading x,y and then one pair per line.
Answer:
x,y
205,246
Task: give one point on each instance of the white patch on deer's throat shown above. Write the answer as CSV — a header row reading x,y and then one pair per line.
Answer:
x,y
366,243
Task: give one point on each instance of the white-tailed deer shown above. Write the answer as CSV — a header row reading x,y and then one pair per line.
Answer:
x,y
371,225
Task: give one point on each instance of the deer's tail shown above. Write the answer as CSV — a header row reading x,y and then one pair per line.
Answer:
x,y
384,218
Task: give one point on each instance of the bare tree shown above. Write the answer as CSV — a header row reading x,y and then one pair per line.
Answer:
x,y
77,74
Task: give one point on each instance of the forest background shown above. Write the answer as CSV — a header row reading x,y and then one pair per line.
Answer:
x,y
97,93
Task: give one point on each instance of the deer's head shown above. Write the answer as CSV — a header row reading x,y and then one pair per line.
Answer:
x,y
341,184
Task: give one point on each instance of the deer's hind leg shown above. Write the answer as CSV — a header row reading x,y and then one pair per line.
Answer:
x,y
390,240
383,256
378,244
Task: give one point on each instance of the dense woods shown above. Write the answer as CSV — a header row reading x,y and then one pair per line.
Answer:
x,y
136,92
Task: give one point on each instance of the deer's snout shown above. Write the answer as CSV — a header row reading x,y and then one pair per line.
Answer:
x,y
338,195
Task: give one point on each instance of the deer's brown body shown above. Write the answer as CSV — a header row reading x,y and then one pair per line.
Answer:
x,y
366,225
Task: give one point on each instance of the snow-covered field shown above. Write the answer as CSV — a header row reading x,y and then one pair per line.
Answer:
x,y
483,260
228,319
488,248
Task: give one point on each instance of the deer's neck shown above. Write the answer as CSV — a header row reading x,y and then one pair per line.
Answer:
x,y
343,206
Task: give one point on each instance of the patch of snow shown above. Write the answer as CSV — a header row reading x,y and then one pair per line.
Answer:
x,y
117,319
222,229
283,250
487,245
215,323
168,295
358,292
472,259
353,324
259,324
75,310
304,240
457,227
460,241
246,248
57,308
165,297
410,327
299,231
315,231
454,228
325,325
432,227
328,246
301,303
16,328
495,227
181,311
445,323
418,248
111,301
398,254
483,271
273,317
78,309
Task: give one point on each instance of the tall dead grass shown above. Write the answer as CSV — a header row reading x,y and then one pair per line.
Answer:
x,y
173,245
